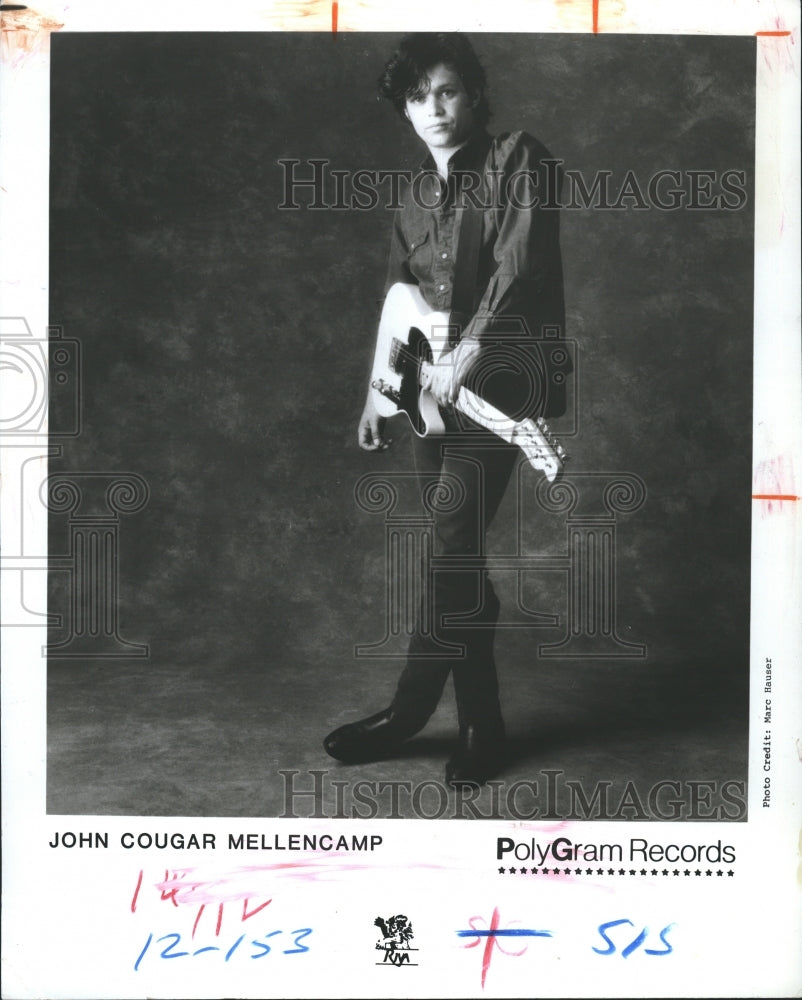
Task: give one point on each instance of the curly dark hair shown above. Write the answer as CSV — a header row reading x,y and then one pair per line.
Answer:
x,y
405,74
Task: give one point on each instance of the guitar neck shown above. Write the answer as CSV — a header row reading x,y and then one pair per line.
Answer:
x,y
487,416
532,436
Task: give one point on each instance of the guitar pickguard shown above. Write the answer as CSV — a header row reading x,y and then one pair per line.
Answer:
x,y
406,360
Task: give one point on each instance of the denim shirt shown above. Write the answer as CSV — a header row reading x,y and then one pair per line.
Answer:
x,y
515,181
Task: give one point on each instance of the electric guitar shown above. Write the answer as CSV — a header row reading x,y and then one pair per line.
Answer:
x,y
411,339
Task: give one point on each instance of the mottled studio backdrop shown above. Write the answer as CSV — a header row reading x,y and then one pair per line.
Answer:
x,y
225,350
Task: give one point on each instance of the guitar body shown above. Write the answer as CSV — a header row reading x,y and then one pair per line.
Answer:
x,y
408,321
411,337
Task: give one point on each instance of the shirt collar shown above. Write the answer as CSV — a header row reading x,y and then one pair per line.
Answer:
x,y
471,155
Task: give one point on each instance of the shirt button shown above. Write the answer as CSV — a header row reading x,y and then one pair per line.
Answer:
x,y
442,287
444,255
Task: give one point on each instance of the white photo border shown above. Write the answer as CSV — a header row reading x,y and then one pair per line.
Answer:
x,y
71,926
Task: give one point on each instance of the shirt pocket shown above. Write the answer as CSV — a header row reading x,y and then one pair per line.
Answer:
x,y
419,255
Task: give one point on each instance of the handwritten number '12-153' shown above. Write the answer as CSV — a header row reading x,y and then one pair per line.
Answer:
x,y
262,948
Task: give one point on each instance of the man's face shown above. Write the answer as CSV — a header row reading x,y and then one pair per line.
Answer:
x,y
443,114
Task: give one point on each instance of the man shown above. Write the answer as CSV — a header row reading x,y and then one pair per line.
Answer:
x,y
437,85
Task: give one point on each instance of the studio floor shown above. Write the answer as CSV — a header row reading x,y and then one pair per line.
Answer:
x,y
178,738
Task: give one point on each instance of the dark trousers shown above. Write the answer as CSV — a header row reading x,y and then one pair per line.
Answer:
x,y
480,464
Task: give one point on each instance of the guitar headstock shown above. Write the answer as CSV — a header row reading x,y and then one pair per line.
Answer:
x,y
540,446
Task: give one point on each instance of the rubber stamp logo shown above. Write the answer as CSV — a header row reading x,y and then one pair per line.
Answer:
x,y
395,933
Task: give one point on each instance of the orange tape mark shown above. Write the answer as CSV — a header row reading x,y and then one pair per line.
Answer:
x,y
595,17
773,34
335,8
774,496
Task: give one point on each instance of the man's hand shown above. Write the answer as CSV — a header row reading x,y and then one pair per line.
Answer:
x,y
446,378
371,428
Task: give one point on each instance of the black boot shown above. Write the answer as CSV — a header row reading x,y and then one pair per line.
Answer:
x,y
479,755
372,738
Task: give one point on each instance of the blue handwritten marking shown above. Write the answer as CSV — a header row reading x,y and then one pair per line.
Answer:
x,y
168,951
506,932
300,935
668,949
635,943
174,938
264,947
234,946
602,928
142,953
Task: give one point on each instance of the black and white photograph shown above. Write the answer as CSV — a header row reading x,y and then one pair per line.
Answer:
x,y
554,598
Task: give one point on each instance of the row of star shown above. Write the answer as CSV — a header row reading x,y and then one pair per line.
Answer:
x,y
613,871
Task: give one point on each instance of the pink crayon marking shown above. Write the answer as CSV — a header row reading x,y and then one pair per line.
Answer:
x,y
774,483
171,894
185,888
492,934
136,891
778,57
246,915
180,891
190,887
